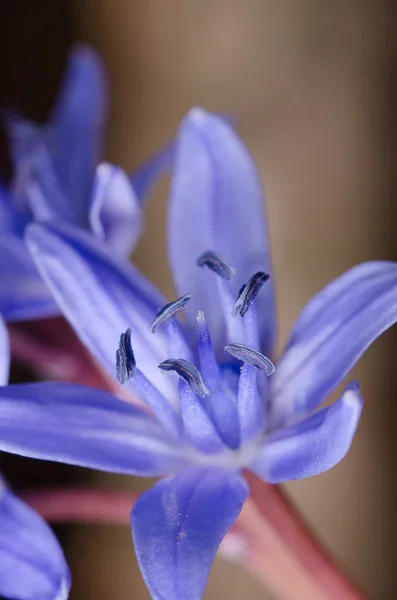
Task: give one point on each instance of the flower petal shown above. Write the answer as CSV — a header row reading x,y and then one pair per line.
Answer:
x,y
312,446
4,353
32,564
115,213
23,293
83,426
145,176
217,204
178,525
78,121
101,296
333,331
198,425
12,220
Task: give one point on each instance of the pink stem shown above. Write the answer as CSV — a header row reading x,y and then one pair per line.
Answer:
x,y
79,505
269,539
52,349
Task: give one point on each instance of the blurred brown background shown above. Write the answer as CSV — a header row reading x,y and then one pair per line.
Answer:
x,y
312,83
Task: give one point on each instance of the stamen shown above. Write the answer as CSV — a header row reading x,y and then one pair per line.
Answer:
x,y
214,262
125,359
168,311
188,372
252,357
249,292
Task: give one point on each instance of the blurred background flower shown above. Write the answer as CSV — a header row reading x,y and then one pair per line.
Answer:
x,y
312,86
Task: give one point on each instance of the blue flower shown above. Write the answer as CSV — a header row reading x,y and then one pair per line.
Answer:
x,y
213,407
32,565
56,176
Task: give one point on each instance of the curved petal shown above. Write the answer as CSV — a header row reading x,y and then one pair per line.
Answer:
x,y
216,204
23,293
101,296
78,122
4,353
178,525
312,446
115,212
32,564
83,426
145,176
333,331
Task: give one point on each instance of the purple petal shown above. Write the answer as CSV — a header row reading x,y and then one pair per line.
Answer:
x,y
115,213
83,426
12,220
101,296
251,407
32,564
146,175
198,425
23,293
217,204
4,353
312,446
178,525
78,122
333,331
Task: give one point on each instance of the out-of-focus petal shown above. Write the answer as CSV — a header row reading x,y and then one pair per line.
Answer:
x,y
12,220
178,525
83,426
23,293
32,565
331,334
312,446
216,204
146,175
115,213
77,122
101,296
4,353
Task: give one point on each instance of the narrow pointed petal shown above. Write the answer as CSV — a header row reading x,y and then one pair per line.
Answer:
x,y
4,353
333,331
83,426
144,177
101,296
115,212
32,564
216,205
312,446
178,525
23,293
78,122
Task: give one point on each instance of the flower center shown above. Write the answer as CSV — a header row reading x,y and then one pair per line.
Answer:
x,y
221,408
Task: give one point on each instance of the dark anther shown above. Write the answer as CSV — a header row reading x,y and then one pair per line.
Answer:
x,y
252,357
168,311
188,372
125,359
249,292
214,262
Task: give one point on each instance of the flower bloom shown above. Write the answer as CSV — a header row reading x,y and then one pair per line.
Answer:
x,y
215,406
56,176
32,565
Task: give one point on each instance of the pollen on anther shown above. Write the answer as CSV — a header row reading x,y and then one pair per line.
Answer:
x,y
125,359
251,357
217,264
187,371
168,311
249,292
